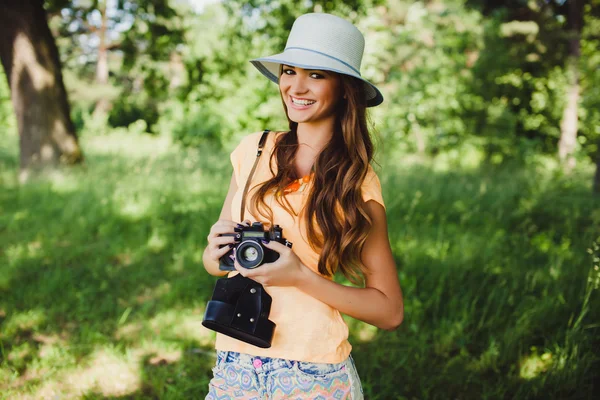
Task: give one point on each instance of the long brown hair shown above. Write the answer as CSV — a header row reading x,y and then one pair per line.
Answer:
x,y
337,223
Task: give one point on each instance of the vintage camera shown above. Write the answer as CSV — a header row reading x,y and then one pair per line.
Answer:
x,y
248,249
239,306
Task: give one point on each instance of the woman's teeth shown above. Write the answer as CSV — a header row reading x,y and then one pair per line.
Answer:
x,y
302,102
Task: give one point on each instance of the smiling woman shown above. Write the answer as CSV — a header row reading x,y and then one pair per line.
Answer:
x,y
315,93
317,184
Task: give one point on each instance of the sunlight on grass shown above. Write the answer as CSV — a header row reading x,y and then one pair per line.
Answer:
x,y
63,182
105,372
533,365
102,285
15,252
183,324
172,324
157,241
26,321
134,145
135,208
469,156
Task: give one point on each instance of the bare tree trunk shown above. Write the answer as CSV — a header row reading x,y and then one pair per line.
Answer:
x,y
568,125
103,105
32,65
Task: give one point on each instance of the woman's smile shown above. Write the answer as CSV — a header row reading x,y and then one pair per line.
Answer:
x,y
301,104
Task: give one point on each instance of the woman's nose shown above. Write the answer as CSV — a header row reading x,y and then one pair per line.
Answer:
x,y
298,85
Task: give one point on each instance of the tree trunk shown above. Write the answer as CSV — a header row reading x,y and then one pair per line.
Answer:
x,y
103,105
32,65
568,125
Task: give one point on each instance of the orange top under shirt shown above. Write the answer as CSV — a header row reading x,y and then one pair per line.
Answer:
x,y
306,328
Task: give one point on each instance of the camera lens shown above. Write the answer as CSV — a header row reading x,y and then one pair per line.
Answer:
x,y
250,254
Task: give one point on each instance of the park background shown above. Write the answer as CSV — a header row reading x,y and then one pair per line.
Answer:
x,y
116,121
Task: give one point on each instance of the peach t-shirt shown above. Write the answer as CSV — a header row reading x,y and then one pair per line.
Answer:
x,y
306,328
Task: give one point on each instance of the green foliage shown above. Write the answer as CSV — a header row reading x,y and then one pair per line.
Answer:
x,y
102,290
451,72
194,126
142,38
524,92
126,110
427,77
590,82
7,116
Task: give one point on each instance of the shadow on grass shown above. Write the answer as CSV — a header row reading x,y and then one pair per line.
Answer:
x,y
102,266
90,261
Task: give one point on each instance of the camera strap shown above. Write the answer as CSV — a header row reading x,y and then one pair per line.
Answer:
x,y
261,144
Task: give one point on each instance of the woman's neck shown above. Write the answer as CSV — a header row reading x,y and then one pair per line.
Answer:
x,y
315,137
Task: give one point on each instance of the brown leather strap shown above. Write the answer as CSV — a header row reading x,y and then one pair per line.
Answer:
x,y
261,144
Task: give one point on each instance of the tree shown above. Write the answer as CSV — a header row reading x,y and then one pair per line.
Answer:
x,y
32,66
568,125
118,55
103,105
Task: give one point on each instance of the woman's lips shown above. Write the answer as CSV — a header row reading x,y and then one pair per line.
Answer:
x,y
299,106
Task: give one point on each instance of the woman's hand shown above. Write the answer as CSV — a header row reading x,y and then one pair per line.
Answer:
x,y
219,245
287,270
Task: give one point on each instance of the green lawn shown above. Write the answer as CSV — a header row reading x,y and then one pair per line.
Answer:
x,y
102,290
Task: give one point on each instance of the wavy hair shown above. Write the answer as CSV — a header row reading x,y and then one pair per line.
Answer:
x,y
337,223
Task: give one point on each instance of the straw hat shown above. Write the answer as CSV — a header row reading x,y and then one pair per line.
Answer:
x,y
325,42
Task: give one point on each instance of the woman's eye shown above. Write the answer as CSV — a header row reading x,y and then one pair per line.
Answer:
x,y
316,76
288,71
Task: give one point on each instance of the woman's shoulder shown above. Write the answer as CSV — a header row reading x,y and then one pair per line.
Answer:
x,y
252,139
372,174
371,187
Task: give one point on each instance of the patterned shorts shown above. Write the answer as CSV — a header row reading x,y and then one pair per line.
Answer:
x,y
246,377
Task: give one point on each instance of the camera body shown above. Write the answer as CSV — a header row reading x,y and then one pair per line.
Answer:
x,y
249,250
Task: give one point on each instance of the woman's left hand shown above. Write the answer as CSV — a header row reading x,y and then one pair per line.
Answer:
x,y
287,270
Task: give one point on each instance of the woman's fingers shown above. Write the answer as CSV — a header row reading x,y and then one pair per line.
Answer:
x,y
221,227
221,251
243,271
248,273
221,240
226,226
276,246
218,250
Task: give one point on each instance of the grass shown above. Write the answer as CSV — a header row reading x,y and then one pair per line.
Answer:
x,y
102,289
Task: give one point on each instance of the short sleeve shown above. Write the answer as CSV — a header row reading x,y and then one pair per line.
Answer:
x,y
371,188
237,158
240,156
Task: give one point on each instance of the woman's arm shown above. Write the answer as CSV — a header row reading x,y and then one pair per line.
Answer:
x,y
380,302
212,252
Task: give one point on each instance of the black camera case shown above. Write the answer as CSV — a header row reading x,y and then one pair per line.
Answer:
x,y
240,308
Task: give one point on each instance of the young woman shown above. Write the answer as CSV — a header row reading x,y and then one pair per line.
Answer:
x,y
316,182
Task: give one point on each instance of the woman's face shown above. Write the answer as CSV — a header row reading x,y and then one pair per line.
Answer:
x,y
310,95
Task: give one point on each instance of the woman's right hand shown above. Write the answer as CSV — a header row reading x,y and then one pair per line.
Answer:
x,y
219,245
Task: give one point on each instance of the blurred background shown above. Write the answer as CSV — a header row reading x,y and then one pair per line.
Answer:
x,y
117,118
